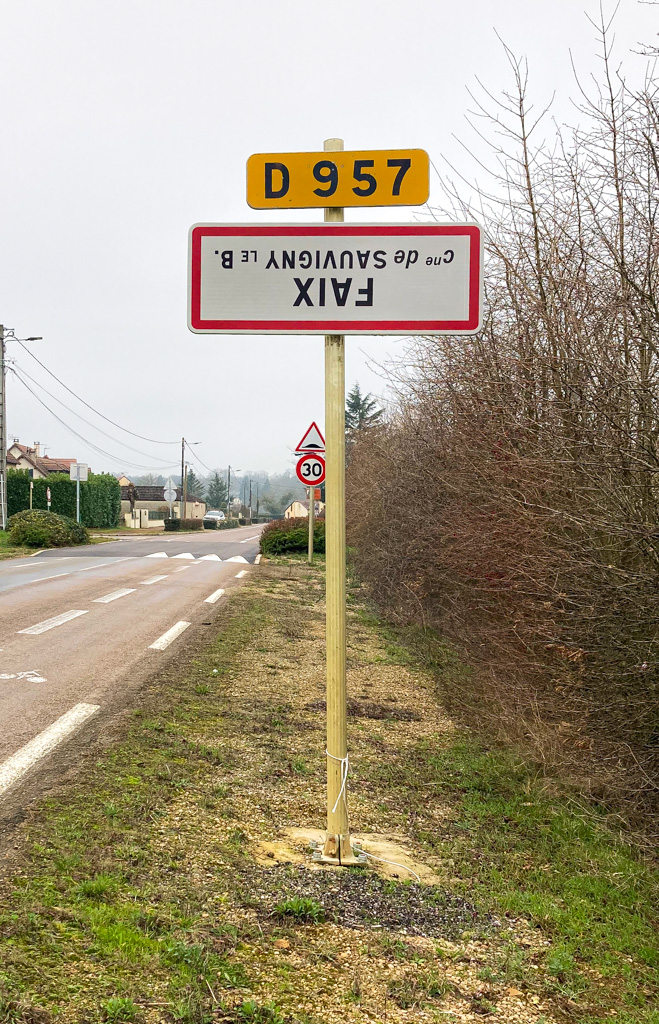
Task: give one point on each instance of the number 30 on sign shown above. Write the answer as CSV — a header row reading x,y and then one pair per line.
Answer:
x,y
381,177
311,470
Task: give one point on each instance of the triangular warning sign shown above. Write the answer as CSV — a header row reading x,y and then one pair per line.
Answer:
x,y
313,441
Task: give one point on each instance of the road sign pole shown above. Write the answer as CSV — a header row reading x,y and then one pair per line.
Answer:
x,y
77,495
337,847
311,515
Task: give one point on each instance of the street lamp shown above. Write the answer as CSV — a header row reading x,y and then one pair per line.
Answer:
x,y
229,490
5,335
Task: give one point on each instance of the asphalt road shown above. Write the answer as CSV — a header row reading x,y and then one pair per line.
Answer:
x,y
78,628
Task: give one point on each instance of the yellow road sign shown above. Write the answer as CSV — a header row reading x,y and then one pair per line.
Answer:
x,y
384,177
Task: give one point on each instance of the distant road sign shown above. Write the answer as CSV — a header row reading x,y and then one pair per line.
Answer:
x,y
380,177
335,279
79,471
311,469
313,440
169,494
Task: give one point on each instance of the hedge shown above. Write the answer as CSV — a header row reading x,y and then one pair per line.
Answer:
x,y
183,524
100,496
39,529
283,535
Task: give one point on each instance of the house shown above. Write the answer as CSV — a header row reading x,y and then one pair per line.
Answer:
x,y
299,509
123,480
152,498
21,456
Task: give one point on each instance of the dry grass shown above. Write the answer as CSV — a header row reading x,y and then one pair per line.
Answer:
x,y
144,895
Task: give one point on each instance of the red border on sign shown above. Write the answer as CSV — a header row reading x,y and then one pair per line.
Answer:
x,y
336,326
305,458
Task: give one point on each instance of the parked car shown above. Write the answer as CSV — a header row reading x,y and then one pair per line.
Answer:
x,y
212,518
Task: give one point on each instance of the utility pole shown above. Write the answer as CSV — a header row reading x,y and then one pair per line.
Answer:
x,y
3,433
181,513
185,493
229,493
257,501
250,499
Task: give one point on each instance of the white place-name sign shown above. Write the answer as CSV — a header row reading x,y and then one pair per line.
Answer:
x,y
335,279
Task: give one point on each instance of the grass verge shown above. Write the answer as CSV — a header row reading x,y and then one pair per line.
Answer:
x,y
150,891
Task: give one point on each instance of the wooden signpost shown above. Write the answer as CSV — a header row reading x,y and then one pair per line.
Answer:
x,y
335,279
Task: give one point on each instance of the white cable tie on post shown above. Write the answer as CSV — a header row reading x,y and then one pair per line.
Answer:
x,y
345,767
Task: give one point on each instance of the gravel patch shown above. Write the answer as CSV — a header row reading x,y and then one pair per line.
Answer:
x,y
361,899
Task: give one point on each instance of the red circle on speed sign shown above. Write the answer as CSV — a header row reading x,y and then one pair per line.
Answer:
x,y
311,470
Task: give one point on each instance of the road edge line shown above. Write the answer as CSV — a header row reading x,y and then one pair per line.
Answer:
x,y
16,766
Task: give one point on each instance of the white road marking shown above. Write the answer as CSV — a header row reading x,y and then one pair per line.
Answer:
x,y
57,620
209,558
98,566
247,539
153,579
185,554
31,676
56,576
183,568
26,565
165,640
237,558
114,596
157,554
239,575
257,559
215,596
25,758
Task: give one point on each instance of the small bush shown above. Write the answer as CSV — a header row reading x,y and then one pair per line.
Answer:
x,y
39,529
117,1009
172,525
191,524
302,908
283,535
228,524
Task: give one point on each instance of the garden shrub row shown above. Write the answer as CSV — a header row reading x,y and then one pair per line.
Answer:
x,y
172,525
284,535
36,528
100,496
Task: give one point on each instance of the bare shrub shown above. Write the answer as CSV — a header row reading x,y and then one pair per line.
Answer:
x,y
510,499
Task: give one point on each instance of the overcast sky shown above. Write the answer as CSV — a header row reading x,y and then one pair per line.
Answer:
x,y
125,123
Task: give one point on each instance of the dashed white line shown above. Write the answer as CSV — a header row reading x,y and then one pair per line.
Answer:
x,y
98,566
25,758
114,596
215,596
239,575
153,579
247,539
57,620
183,568
41,579
27,565
165,640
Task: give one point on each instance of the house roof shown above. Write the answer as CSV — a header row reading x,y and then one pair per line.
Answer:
x,y
147,492
43,463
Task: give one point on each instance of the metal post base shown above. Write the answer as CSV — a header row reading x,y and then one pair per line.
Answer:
x,y
337,849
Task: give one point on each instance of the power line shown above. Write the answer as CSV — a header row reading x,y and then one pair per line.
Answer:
x,y
84,440
193,455
151,440
68,408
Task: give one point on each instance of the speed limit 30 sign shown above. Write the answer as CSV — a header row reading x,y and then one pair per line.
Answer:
x,y
311,470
